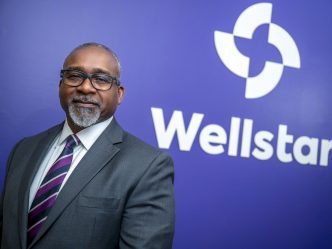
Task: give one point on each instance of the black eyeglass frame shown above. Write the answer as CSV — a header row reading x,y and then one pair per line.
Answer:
x,y
90,76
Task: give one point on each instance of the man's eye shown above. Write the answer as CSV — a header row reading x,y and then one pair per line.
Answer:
x,y
74,77
101,80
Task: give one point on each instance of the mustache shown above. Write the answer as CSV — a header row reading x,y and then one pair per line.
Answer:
x,y
84,99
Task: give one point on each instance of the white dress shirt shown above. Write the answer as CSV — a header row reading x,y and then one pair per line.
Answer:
x,y
87,137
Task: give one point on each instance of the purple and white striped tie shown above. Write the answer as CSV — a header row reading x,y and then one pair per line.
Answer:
x,y
49,188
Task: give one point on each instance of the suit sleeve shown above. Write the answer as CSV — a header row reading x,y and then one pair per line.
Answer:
x,y
149,217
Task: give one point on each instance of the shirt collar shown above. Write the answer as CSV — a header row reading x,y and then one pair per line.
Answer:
x,y
88,135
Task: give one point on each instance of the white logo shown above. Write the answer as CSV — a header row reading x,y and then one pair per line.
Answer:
x,y
245,26
240,138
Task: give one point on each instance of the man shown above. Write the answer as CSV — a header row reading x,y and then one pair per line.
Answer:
x,y
86,183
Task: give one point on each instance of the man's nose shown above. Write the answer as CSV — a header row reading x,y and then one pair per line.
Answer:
x,y
86,87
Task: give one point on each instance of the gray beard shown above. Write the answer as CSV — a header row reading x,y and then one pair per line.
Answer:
x,y
81,116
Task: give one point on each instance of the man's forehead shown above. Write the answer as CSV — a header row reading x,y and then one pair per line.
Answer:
x,y
91,58
91,51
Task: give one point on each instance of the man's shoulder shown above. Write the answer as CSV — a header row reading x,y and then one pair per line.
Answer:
x,y
142,157
36,138
132,142
52,130
140,150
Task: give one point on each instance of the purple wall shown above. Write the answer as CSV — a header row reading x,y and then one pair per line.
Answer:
x,y
241,180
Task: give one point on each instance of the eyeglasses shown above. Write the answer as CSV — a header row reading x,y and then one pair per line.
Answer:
x,y
100,81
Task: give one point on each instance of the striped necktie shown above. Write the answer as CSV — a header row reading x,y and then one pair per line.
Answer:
x,y
49,189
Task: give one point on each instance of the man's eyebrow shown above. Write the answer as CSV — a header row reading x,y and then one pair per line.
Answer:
x,y
73,68
97,70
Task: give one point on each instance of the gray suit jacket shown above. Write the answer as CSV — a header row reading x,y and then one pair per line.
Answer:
x,y
119,196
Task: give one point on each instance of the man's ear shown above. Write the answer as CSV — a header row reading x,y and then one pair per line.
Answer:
x,y
121,92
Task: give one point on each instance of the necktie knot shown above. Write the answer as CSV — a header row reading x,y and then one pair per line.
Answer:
x,y
72,141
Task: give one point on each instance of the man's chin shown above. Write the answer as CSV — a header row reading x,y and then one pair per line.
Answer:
x,y
84,119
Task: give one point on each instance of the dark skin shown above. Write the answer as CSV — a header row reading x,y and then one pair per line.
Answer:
x,y
92,59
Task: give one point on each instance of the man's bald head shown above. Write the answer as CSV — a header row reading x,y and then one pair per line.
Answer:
x,y
98,45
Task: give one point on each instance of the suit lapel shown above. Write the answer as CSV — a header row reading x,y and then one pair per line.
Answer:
x,y
28,176
102,151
